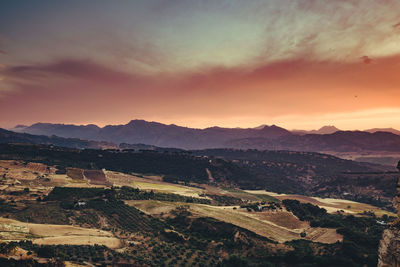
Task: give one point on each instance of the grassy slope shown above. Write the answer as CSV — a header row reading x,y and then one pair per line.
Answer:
x,y
244,219
51,234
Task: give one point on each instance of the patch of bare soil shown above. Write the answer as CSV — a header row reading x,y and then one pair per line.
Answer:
x,y
323,235
110,242
51,234
282,218
96,177
75,173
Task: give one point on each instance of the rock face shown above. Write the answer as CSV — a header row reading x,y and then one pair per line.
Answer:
x,y
389,247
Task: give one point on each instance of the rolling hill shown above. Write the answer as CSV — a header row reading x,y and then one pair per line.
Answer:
x,y
24,138
342,141
305,173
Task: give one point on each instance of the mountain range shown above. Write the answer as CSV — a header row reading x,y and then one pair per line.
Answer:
x,y
330,129
264,137
153,133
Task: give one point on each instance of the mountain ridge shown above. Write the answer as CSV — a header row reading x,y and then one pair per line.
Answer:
x,y
154,133
390,130
263,137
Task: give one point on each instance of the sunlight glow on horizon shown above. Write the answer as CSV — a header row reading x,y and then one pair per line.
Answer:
x,y
364,120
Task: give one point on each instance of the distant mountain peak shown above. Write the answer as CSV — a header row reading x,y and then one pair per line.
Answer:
x,y
136,121
327,129
273,128
20,126
262,126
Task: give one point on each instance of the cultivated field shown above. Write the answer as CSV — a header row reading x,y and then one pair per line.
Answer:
x,y
96,177
168,188
51,234
332,205
110,242
41,178
278,230
35,175
154,183
277,225
75,173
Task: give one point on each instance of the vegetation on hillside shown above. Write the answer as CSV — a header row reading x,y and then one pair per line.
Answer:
x,y
181,238
361,235
303,173
175,166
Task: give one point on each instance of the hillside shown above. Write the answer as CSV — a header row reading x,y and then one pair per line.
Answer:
x,y
342,141
55,219
312,174
24,138
279,171
175,166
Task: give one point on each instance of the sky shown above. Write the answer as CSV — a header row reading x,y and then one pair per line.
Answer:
x,y
299,64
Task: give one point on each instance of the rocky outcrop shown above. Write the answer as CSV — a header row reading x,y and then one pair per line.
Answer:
x,y
389,247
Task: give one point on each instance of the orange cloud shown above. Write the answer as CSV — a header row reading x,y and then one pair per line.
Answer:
x,y
84,91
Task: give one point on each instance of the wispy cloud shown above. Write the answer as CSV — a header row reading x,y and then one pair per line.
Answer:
x,y
70,68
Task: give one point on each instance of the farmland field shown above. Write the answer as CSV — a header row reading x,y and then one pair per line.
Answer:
x,y
51,234
330,204
71,211
264,226
96,177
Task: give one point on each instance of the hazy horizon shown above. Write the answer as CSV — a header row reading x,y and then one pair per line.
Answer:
x,y
210,126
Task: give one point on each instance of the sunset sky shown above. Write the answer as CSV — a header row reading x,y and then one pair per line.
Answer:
x,y
297,64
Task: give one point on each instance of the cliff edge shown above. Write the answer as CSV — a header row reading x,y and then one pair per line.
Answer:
x,y
389,247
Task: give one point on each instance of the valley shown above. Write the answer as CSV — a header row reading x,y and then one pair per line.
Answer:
x,y
56,211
